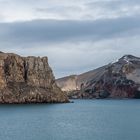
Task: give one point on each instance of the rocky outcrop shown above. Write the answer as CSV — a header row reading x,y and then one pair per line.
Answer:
x,y
120,79
27,80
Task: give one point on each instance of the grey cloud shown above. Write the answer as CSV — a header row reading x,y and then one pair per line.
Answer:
x,y
113,3
59,9
115,8
53,31
67,9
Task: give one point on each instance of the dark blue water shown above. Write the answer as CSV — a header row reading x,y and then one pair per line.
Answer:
x,y
82,120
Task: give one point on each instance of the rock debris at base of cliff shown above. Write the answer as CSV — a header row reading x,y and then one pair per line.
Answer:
x,y
28,80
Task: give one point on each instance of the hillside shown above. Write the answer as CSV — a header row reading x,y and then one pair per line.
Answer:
x,y
120,79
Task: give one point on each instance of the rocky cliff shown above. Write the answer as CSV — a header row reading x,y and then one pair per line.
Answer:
x,y
120,79
27,80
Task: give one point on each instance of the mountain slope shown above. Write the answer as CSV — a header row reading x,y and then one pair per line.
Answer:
x,y
116,80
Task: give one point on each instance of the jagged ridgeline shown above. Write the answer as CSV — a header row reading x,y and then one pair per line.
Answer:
x,y
27,80
120,79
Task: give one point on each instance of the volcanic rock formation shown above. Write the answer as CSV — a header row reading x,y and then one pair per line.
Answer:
x,y
115,80
27,80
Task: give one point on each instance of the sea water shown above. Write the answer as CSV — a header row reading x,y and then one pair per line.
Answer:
x,y
81,120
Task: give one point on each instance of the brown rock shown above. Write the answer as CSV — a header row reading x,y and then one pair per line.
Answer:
x,y
27,80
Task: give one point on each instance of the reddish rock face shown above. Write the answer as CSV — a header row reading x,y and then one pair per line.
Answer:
x,y
116,80
27,80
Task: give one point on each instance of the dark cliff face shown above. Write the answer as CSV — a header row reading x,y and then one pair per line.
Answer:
x,y
27,80
120,79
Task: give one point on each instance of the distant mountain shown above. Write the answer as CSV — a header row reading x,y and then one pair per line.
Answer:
x,y
120,79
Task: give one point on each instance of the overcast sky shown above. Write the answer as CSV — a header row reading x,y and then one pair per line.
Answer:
x,y
76,35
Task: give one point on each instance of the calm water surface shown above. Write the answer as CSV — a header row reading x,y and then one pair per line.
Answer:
x,y
82,120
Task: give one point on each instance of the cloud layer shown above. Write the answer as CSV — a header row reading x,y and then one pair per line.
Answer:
x,y
76,35
16,10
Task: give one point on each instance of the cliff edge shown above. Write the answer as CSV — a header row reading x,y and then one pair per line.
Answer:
x,y
27,80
